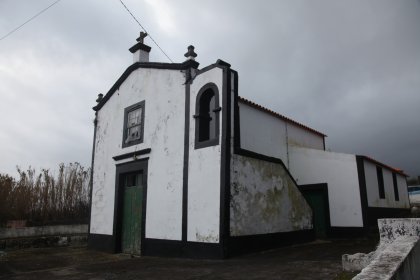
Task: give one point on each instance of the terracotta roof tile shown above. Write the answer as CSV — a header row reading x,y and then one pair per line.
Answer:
x,y
396,170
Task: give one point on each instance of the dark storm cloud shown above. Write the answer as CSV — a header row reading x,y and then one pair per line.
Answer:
x,y
347,68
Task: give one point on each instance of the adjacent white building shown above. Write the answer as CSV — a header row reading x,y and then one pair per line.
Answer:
x,y
183,166
355,190
347,192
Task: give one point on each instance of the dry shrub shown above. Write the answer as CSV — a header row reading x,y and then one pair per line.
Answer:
x,y
45,199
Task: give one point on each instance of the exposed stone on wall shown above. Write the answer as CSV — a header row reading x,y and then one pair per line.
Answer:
x,y
264,199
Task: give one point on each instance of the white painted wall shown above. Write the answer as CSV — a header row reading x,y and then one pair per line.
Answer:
x,y
264,199
265,134
403,190
164,95
372,188
300,137
262,133
339,171
204,172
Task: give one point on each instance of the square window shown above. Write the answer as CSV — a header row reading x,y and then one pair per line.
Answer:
x,y
133,133
134,117
133,124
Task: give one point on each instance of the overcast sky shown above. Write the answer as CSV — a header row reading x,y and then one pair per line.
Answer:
x,y
350,69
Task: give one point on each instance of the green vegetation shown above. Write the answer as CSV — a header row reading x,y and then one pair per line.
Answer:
x,y
45,199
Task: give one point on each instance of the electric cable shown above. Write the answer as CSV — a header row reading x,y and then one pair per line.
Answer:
x,y
32,18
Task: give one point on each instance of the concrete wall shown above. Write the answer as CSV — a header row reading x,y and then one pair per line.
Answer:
x,y
372,188
339,171
42,231
392,229
204,173
398,254
398,260
264,199
164,95
269,135
45,236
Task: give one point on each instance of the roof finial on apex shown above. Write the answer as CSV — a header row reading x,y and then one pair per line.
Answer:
x,y
99,99
142,36
190,54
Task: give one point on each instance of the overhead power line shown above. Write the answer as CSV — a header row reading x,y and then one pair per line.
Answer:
x,y
29,20
144,29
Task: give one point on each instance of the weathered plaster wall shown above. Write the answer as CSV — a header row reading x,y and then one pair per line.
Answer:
x,y
204,172
372,188
264,199
339,171
164,95
262,133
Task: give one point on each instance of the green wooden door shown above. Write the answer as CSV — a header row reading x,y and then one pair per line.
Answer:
x,y
316,200
132,213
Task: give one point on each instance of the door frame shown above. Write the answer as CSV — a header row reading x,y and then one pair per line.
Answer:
x,y
323,188
121,169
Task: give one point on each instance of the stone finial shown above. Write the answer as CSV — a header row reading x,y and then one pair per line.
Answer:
x,y
140,51
142,36
190,54
99,99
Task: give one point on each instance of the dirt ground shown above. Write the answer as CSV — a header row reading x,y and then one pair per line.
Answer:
x,y
316,260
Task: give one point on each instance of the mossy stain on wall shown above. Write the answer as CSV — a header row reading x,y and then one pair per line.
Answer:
x,y
264,199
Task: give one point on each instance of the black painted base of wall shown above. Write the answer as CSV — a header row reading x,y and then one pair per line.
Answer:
x,y
179,249
161,248
347,232
253,243
375,213
101,242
